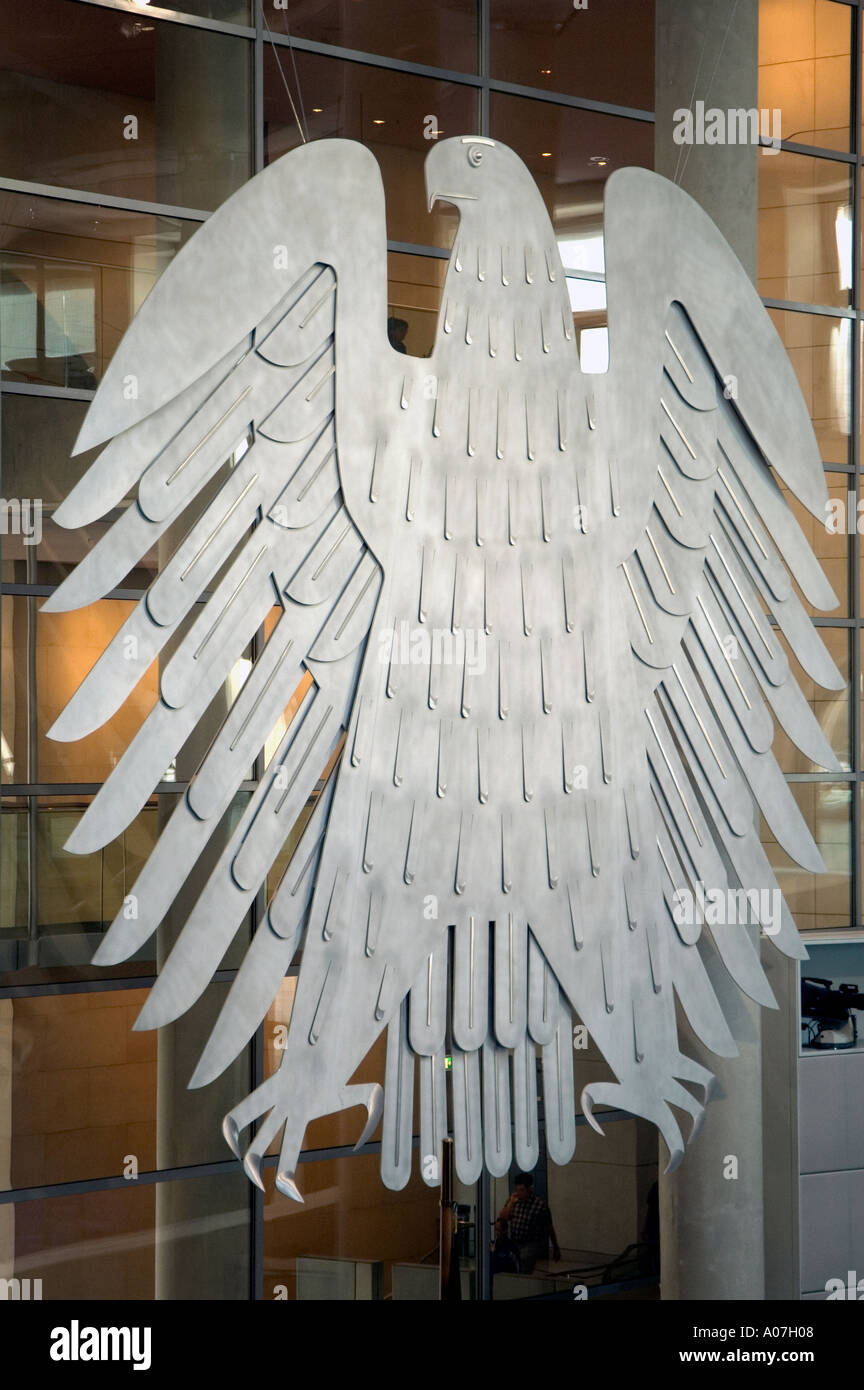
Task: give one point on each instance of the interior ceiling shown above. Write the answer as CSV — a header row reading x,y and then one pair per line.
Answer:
x,y
116,50
81,45
352,96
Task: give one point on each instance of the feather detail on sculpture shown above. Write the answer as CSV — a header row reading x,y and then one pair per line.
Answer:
x,y
531,630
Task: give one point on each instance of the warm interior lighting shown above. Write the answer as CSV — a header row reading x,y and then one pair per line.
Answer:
x,y
599,159
545,72
545,154
316,110
7,759
843,234
378,121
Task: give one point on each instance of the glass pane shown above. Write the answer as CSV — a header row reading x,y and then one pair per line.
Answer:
x,y
831,707
391,112
805,70
61,647
829,541
79,895
84,892
602,1204
819,348
187,1239
353,1238
440,34
91,1098
602,51
17,626
571,154
14,872
225,11
72,278
116,102
805,229
38,436
414,285
818,900
67,646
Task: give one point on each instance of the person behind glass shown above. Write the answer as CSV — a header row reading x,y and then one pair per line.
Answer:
x,y
396,332
529,1224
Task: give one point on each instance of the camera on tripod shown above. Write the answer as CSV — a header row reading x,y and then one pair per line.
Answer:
x,y
828,1015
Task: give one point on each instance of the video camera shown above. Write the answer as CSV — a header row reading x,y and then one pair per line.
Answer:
x,y
828,1015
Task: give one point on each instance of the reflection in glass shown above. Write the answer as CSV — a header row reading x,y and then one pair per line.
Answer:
x,y
388,111
804,69
819,349
602,51
187,1239
805,229
72,278
55,929
14,871
225,11
439,34
88,1093
115,102
570,154
352,1238
38,436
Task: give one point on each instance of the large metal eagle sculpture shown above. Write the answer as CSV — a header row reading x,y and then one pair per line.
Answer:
x,y
538,618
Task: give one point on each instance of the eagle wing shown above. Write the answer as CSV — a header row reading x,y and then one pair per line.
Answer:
x,y
225,400
705,421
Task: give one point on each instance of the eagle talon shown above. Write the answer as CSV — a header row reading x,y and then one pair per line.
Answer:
x,y
252,1168
286,1184
372,1096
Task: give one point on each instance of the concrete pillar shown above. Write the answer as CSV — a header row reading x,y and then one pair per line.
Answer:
x,y
711,1223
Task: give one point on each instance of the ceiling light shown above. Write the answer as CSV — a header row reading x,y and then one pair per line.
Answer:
x,y
545,154
316,110
599,159
545,72
378,121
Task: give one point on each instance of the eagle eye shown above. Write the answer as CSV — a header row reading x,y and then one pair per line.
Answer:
x,y
475,155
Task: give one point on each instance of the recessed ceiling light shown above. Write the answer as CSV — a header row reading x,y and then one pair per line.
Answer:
x,y
316,110
599,159
545,154
545,72
378,121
